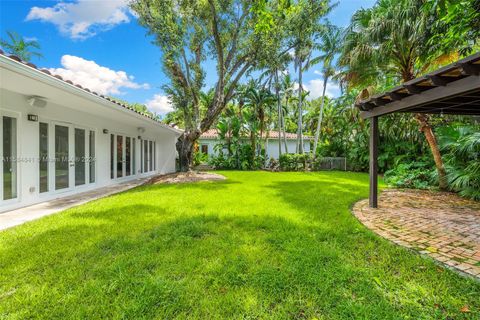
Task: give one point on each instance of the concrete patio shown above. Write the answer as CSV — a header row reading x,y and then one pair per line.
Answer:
x,y
441,225
19,216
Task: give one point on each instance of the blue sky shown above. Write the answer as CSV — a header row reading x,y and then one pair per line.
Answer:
x,y
100,45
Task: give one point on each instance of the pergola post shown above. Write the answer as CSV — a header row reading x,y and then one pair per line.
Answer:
x,y
374,137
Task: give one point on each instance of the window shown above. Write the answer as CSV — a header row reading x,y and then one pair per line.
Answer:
x,y
91,154
9,148
205,148
43,157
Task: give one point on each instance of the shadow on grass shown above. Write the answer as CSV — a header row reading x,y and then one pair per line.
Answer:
x,y
201,267
191,267
198,185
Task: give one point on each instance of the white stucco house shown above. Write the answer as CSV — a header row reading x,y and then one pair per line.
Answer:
x,y
210,138
59,139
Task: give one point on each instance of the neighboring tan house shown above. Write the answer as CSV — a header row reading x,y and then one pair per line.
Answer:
x,y
59,139
210,138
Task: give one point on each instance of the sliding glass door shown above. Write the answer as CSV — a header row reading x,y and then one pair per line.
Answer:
x,y
9,157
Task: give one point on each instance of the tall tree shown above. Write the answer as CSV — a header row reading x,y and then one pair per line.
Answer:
x,y
233,34
329,46
305,27
17,45
388,40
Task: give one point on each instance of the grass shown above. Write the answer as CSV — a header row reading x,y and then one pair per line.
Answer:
x,y
257,245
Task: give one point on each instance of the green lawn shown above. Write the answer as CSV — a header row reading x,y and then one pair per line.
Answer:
x,y
258,245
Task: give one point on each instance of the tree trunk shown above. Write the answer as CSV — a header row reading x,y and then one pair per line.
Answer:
x,y
320,118
253,143
284,133
300,111
279,110
184,146
426,128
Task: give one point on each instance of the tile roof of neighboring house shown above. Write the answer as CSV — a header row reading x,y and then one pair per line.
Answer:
x,y
47,72
213,134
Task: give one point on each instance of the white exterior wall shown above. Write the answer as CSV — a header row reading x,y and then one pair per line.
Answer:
x,y
75,111
271,146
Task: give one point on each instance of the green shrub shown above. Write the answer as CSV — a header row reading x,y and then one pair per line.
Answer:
x,y
199,158
240,159
294,161
416,175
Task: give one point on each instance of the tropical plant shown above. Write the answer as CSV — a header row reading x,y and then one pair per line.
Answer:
x,y
19,46
390,41
461,145
330,46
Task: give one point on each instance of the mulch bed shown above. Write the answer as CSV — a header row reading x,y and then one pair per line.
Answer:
x,y
183,177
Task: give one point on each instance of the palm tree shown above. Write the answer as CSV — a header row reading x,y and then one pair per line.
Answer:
x,y
287,89
390,40
329,46
20,47
305,27
260,101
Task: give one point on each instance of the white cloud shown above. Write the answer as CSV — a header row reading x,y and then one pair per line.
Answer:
x,y
159,104
315,87
94,77
83,18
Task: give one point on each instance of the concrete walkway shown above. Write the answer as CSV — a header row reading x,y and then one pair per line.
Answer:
x,y
437,224
19,216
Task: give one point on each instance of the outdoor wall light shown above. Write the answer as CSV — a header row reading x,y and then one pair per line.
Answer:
x,y
32,117
105,131
141,129
36,101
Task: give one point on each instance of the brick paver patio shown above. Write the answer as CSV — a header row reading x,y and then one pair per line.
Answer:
x,y
439,224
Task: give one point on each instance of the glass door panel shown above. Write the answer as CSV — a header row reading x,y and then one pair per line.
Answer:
x,y
79,157
43,157
150,159
61,157
91,158
120,156
112,156
128,155
145,156
9,147
134,156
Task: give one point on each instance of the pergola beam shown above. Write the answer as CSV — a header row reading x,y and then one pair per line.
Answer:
x,y
452,89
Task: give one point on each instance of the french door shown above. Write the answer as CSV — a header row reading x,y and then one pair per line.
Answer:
x,y
122,156
9,165
73,151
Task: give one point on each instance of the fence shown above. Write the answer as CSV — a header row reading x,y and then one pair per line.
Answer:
x,y
331,163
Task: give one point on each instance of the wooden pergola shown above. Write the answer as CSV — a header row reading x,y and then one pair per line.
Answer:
x,y
453,89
